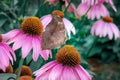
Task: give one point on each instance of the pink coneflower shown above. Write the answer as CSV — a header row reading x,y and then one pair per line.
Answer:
x,y
68,25
28,38
94,2
95,11
6,55
65,67
105,27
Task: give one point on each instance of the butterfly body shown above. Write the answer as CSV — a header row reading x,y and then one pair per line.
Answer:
x,y
54,34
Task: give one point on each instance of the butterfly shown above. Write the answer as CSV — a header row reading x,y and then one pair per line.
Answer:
x,y
54,34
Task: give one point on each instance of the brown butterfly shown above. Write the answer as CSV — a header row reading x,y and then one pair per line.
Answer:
x,y
54,34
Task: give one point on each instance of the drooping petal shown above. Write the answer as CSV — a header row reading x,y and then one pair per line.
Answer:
x,y
26,46
56,72
112,4
82,8
2,67
115,30
105,30
45,54
6,51
110,33
98,10
44,76
36,48
104,10
46,20
99,28
45,68
83,74
94,27
4,57
69,27
18,41
68,74
10,34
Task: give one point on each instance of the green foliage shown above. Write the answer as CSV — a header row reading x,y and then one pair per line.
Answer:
x,y
7,76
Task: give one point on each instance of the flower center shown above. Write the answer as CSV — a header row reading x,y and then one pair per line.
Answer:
x,y
108,19
60,13
25,78
68,55
32,25
0,38
25,71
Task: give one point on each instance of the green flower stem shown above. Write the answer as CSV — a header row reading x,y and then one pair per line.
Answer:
x,y
20,67
67,6
92,46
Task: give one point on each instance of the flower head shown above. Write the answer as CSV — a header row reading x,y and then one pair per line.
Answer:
x,y
65,67
68,55
95,11
94,2
25,78
68,25
7,55
105,27
94,8
28,37
32,25
25,71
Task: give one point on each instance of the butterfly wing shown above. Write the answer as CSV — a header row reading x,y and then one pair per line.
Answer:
x,y
54,34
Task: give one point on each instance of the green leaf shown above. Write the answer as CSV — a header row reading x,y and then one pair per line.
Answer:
x,y
36,65
7,76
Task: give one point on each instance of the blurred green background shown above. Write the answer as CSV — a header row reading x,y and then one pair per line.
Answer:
x,y
100,56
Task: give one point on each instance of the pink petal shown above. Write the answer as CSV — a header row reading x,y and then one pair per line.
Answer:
x,y
2,67
105,30
18,41
82,8
45,54
71,8
110,33
68,74
10,34
44,68
15,38
26,45
83,74
115,30
44,76
94,27
56,72
4,57
5,49
112,4
99,27
69,26
46,20
36,48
